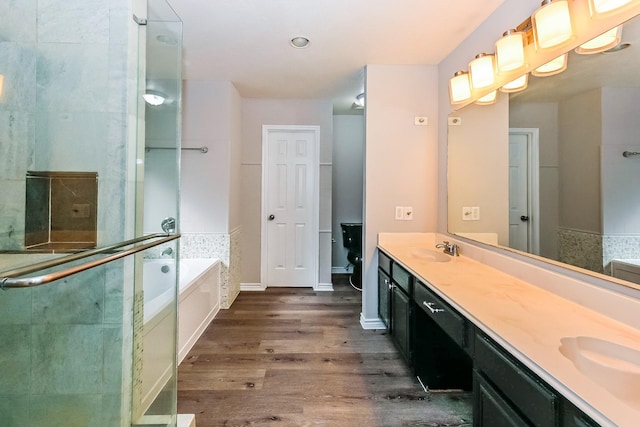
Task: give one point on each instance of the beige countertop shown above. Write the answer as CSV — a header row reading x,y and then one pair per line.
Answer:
x,y
530,322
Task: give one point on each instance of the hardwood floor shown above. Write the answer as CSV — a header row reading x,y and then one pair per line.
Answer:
x,y
295,357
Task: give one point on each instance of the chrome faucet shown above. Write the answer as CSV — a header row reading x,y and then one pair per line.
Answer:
x,y
167,251
449,248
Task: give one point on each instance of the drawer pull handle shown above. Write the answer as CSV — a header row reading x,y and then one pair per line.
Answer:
x,y
430,305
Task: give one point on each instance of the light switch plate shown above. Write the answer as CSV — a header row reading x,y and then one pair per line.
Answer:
x,y
466,213
399,213
408,213
475,213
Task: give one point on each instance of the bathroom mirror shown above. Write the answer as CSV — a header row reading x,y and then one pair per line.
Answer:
x,y
542,171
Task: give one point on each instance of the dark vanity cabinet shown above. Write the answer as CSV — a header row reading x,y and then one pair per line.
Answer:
x,y
507,393
401,310
446,351
441,349
384,288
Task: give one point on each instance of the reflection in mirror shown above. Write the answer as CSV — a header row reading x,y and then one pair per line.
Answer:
x,y
544,168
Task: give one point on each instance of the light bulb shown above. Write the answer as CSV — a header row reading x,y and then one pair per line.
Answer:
x,y
459,87
482,71
552,67
488,99
552,24
516,85
510,51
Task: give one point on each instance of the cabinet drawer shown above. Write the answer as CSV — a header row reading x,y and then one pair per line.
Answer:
x,y
384,262
533,399
402,278
447,318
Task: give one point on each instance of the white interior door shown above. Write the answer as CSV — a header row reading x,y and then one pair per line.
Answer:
x,y
523,190
290,206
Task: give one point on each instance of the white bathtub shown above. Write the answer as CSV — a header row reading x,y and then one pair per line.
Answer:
x,y
198,303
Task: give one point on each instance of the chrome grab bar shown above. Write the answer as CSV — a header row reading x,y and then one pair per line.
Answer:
x,y
9,280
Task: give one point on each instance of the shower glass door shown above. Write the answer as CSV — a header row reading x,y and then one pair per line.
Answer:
x,y
155,331
72,178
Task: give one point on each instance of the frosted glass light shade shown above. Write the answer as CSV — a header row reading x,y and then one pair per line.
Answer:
x,y
516,85
555,66
488,99
482,71
510,51
459,87
552,24
1,83
601,43
603,6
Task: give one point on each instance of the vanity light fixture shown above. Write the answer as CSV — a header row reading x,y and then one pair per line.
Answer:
x,y
552,24
1,83
555,66
510,51
601,43
488,99
482,70
153,97
516,85
604,6
299,42
459,87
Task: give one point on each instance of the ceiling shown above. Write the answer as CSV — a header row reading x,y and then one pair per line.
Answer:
x,y
246,42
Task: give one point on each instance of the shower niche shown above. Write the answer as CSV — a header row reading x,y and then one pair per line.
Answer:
x,y
60,211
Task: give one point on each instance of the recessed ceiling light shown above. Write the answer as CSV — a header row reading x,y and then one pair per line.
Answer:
x,y
153,97
299,42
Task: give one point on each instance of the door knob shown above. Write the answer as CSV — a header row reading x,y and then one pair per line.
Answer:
x,y
271,217
524,218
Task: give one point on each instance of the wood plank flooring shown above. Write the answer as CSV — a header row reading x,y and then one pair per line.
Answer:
x,y
295,357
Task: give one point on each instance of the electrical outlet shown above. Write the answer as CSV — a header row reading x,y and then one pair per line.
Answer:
x,y
467,213
475,213
408,213
399,213
421,121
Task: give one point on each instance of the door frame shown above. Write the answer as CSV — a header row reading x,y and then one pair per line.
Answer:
x,y
533,184
266,130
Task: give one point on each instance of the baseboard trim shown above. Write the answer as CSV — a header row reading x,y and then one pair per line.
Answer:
x,y
252,287
323,287
374,323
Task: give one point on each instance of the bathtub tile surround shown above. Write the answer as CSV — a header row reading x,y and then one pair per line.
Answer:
x,y
226,248
619,247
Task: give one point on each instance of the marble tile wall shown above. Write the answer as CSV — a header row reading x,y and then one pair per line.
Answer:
x,y
64,108
619,247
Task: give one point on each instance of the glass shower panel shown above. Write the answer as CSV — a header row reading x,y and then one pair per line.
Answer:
x,y
66,109
155,332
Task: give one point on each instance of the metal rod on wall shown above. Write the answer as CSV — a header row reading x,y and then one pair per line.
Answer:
x,y
200,149
630,153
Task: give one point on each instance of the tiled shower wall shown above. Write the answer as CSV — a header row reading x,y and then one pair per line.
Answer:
x,y
61,360
225,247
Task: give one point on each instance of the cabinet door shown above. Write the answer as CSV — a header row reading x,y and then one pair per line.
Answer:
x,y
490,409
384,289
401,321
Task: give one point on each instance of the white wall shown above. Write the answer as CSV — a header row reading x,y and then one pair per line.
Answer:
x,y
478,169
348,175
580,129
620,175
255,114
211,119
400,161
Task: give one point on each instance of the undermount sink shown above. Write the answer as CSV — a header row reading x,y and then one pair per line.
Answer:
x,y
430,255
614,366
